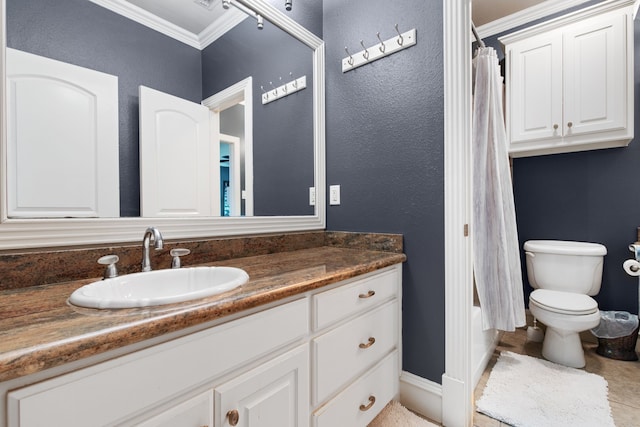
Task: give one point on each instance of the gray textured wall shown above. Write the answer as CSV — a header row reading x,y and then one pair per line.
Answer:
x,y
385,149
282,129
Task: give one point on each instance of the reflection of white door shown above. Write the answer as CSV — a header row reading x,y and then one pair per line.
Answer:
x,y
177,173
62,139
235,188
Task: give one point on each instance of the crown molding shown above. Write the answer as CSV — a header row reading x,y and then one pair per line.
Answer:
x,y
526,16
577,16
220,26
150,20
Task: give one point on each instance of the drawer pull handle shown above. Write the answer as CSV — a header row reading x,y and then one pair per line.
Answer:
x,y
367,295
372,400
233,416
368,344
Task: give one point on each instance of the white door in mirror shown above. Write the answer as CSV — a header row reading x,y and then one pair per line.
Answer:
x,y
62,139
159,287
177,178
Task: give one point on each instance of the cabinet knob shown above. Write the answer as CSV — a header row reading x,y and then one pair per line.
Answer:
x,y
367,295
369,343
372,400
233,416
555,126
569,124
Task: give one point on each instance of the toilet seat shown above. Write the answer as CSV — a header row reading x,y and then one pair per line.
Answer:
x,y
563,302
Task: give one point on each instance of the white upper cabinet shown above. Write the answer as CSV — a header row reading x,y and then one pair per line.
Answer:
x,y
570,82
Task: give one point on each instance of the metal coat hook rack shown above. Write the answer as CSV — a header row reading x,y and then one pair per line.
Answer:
x,y
285,89
382,49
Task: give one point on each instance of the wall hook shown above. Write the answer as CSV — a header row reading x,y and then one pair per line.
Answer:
x,y
350,57
395,43
365,54
264,92
400,38
285,89
382,46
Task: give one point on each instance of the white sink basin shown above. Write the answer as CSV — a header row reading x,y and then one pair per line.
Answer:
x,y
158,287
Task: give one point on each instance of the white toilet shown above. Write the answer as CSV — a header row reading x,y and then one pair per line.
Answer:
x,y
565,275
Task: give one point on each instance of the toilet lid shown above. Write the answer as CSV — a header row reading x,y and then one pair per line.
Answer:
x,y
563,302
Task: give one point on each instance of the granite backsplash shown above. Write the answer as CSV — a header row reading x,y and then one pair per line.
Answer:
x,y
31,268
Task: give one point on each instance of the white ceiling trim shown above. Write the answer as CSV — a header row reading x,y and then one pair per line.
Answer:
x,y
199,41
229,19
150,20
526,16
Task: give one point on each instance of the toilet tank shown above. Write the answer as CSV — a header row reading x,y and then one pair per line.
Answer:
x,y
564,265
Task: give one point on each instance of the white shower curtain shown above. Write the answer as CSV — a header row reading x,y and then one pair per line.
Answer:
x,y
496,259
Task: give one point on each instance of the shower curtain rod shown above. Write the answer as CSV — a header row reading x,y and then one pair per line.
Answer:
x,y
475,33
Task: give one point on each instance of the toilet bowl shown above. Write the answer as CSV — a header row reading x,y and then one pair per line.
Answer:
x,y
564,275
565,315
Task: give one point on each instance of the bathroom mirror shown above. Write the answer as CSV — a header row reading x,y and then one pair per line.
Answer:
x,y
15,233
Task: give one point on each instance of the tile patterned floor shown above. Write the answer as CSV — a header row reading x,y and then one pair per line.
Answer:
x,y
623,378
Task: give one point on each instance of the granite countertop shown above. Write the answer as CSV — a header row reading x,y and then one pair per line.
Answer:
x,y
40,330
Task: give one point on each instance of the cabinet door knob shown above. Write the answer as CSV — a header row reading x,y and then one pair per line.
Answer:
x,y
367,295
569,124
233,416
555,126
369,343
372,400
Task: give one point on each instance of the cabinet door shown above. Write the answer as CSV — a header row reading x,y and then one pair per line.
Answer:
x,y
535,88
195,412
595,75
274,394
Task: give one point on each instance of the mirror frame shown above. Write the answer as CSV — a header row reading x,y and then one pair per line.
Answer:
x,y
38,233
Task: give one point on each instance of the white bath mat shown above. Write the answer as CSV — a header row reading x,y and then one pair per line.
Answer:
x,y
527,392
396,415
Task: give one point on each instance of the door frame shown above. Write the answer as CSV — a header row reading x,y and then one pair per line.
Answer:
x,y
457,379
241,91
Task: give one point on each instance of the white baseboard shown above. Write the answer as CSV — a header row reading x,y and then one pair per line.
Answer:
x,y
421,396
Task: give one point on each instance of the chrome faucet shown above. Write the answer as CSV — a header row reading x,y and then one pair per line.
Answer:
x,y
157,244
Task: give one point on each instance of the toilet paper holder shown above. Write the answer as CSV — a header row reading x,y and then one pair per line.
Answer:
x,y
635,248
632,266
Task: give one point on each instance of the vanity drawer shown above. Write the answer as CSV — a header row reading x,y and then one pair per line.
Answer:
x,y
349,350
354,407
336,304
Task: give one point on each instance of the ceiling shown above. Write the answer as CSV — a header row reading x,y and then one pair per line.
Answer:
x,y
484,11
190,15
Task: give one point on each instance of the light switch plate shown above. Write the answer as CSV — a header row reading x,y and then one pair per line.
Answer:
x,y
312,196
334,194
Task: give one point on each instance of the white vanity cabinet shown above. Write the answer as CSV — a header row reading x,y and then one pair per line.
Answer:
x,y
163,382
570,82
330,357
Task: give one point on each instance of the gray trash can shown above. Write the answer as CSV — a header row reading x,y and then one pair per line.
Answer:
x,y
617,334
